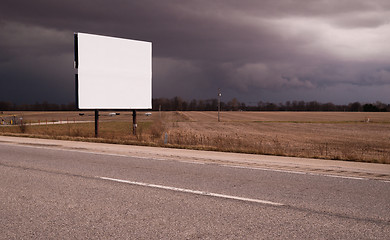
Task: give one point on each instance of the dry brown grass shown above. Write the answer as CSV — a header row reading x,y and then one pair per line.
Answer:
x,y
328,135
357,142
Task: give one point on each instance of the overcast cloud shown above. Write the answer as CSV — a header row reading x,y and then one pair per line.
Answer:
x,y
329,51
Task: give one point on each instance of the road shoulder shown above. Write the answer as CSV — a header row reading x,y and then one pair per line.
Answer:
x,y
333,168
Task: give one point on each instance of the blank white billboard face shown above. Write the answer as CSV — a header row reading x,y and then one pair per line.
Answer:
x,y
113,73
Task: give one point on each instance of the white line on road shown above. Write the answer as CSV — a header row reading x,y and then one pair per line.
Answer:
x,y
203,193
264,169
296,172
338,176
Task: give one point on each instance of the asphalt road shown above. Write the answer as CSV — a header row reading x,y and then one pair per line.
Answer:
x,y
54,193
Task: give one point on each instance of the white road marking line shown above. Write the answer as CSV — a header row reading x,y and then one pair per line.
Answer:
x,y
345,177
203,193
302,173
265,169
165,159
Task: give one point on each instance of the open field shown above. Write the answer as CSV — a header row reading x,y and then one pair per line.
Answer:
x,y
353,136
31,116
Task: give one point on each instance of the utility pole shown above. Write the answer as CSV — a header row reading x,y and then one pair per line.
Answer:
x,y
219,104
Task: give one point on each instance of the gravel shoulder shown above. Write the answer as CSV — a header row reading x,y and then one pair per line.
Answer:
x,y
275,163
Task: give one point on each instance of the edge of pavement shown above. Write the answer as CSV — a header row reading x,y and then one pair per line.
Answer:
x,y
333,168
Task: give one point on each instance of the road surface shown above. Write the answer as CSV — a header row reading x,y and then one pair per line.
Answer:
x,y
69,190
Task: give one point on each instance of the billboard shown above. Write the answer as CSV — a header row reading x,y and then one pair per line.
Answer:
x,y
113,73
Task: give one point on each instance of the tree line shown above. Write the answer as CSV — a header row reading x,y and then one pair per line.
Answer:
x,y
179,104
44,106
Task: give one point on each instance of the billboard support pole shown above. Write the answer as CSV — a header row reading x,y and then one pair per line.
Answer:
x,y
96,123
134,122
219,104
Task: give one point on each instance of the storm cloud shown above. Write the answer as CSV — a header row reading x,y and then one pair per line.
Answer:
x,y
329,51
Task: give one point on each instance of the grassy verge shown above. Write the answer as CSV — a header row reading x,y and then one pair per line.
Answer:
x,y
361,152
177,132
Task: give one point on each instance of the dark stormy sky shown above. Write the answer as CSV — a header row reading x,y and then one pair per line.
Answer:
x,y
327,50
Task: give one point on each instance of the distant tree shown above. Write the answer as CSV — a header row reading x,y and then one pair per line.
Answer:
x,y
223,106
388,108
260,105
6,106
214,104
271,106
301,106
201,105
370,108
328,107
193,106
211,105
288,106
243,106
234,104
177,103
312,106
381,106
294,106
355,107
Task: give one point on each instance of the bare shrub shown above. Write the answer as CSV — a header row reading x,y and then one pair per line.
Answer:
x,y
23,127
140,133
157,129
76,132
